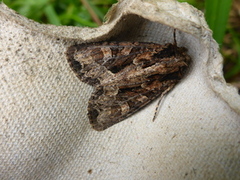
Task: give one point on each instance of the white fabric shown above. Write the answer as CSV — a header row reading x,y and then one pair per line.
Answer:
x,y
44,129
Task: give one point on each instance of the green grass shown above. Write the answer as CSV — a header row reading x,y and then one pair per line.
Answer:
x,y
217,12
91,14
65,12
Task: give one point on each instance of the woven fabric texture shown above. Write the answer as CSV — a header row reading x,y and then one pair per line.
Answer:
x,y
44,129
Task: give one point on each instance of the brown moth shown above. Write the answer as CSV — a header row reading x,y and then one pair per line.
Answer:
x,y
126,75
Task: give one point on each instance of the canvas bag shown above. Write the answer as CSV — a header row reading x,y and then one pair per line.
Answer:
x,y
44,128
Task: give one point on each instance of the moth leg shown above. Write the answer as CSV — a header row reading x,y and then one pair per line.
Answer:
x,y
159,101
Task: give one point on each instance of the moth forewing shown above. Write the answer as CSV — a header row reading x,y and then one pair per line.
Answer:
x,y
126,75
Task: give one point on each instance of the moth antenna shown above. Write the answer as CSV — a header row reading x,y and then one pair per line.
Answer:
x,y
174,36
175,42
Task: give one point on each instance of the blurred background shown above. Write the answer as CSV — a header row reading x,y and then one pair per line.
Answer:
x,y
223,17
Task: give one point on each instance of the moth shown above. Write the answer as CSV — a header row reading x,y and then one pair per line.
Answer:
x,y
126,76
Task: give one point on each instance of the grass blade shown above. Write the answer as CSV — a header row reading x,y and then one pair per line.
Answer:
x,y
217,12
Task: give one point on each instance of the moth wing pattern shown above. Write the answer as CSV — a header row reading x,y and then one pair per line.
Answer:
x,y
127,76
105,113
